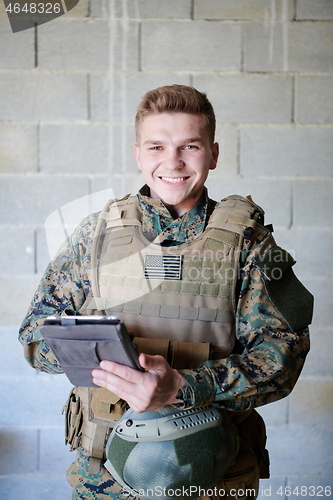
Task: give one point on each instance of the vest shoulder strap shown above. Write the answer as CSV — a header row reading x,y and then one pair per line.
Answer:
x,y
127,210
235,213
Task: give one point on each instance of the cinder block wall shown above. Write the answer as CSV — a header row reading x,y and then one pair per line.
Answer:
x,y
68,92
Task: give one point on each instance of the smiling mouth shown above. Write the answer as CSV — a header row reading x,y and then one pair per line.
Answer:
x,y
173,180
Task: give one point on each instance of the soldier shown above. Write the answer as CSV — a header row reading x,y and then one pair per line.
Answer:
x,y
236,319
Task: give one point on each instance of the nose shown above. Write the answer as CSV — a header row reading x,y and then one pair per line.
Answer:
x,y
173,159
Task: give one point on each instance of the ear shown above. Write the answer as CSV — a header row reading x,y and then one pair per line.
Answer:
x,y
136,150
215,155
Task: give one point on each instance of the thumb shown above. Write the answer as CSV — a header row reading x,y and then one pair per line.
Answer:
x,y
152,362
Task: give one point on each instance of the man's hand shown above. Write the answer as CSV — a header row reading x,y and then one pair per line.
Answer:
x,y
143,391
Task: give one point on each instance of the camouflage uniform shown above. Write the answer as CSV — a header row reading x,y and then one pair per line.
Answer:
x,y
268,357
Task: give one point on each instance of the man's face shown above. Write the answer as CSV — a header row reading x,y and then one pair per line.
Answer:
x,y
175,155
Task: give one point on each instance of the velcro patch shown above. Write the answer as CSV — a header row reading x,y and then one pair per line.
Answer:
x,y
286,292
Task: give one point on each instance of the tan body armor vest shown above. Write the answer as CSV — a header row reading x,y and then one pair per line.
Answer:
x,y
183,297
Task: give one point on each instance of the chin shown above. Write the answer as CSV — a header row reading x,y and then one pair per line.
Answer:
x,y
169,200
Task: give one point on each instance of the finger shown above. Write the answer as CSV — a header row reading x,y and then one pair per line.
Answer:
x,y
138,400
122,371
113,383
153,362
118,388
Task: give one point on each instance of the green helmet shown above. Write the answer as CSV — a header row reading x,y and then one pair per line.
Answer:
x,y
171,453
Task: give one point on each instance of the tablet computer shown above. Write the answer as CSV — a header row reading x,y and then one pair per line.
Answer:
x,y
80,343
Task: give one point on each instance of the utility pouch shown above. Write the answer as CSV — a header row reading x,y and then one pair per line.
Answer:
x,y
242,479
241,482
252,431
105,407
73,420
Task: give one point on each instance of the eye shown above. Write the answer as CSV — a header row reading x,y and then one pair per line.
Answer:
x,y
190,146
155,148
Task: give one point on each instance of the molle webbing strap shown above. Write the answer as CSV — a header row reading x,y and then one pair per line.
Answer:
x,y
128,211
152,346
115,213
234,214
189,355
124,222
99,441
184,355
242,221
170,311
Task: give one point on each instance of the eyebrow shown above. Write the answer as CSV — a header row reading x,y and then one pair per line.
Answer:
x,y
186,141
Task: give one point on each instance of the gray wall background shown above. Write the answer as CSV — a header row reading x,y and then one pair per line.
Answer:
x,y
68,92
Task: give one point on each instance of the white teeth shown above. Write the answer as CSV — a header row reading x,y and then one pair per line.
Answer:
x,y
173,180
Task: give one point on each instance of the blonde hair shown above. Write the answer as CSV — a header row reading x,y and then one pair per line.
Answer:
x,y
177,98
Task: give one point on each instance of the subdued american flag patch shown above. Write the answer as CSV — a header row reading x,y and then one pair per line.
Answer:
x,y
163,267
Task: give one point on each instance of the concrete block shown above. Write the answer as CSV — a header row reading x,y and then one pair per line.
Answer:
x,y
242,10
297,451
142,9
38,401
286,151
87,148
12,359
275,414
266,46
311,402
116,96
274,197
310,487
43,256
268,488
120,184
63,222
319,360
15,296
66,44
30,200
248,98
313,203
314,99
320,10
55,456
17,248
100,8
77,148
227,137
18,451
81,9
18,148
35,487
111,181
121,159
217,46
41,95
134,183
321,290
280,46
303,246
304,54
17,50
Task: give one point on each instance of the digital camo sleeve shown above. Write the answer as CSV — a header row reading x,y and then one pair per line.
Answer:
x,y
62,290
274,343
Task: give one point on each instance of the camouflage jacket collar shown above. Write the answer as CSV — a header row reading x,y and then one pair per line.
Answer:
x,y
157,220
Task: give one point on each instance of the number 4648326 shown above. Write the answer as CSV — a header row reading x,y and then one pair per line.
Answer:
x,y
33,8
304,491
